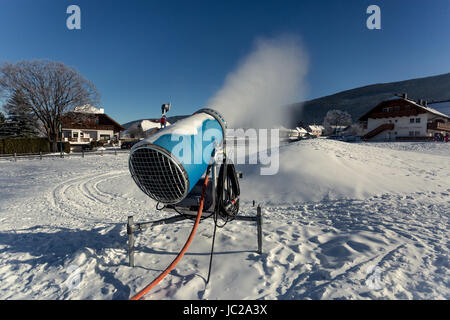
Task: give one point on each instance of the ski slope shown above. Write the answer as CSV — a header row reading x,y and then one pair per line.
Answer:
x,y
341,221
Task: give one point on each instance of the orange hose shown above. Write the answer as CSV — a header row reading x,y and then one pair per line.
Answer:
x,y
144,291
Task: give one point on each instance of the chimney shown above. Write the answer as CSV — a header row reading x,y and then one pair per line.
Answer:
x,y
405,95
425,103
101,110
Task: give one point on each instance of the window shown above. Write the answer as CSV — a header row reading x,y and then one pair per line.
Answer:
x,y
75,134
417,133
411,120
397,108
396,120
411,133
417,120
105,137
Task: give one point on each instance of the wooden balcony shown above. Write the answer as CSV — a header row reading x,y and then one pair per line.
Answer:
x,y
78,140
439,126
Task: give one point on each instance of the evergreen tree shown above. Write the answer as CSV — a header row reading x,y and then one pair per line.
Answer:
x,y
2,119
20,120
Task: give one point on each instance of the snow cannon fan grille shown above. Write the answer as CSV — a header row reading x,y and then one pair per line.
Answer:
x,y
158,174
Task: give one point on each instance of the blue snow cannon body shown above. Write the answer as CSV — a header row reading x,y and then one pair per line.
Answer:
x,y
168,164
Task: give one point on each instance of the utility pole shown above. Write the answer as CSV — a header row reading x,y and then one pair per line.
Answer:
x,y
60,137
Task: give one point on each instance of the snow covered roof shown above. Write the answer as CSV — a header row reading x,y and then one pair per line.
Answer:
x,y
429,108
301,130
441,106
88,108
314,127
88,120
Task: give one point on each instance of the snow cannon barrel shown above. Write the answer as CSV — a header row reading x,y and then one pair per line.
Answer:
x,y
168,164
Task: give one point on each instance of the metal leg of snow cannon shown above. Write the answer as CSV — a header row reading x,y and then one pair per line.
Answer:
x,y
130,232
133,227
258,220
259,225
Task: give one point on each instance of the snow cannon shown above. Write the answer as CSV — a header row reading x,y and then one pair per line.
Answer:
x,y
168,165
185,169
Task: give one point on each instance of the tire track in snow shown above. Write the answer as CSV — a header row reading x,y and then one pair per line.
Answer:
x,y
78,199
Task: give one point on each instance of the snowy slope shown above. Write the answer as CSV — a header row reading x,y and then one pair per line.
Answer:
x,y
355,221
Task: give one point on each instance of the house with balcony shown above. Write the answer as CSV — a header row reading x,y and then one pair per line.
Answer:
x,y
400,118
81,126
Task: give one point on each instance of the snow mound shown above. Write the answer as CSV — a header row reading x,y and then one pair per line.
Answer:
x,y
320,169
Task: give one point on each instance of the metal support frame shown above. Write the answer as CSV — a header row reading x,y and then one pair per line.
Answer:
x,y
133,227
258,220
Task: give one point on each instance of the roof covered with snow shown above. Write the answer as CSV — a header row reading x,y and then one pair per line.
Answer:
x,y
428,108
441,106
88,108
314,127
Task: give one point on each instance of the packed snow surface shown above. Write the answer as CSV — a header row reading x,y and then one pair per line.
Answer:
x,y
340,221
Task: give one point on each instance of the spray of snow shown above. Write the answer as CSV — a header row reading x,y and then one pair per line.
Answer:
x,y
270,77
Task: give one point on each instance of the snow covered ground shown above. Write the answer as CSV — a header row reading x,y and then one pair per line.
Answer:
x,y
341,221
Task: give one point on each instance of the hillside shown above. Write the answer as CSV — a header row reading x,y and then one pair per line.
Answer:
x,y
360,100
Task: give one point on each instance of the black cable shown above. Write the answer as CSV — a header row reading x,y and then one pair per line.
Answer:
x,y
212,249
227,207
228,193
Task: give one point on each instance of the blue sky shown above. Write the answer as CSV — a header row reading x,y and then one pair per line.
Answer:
x,y
140,54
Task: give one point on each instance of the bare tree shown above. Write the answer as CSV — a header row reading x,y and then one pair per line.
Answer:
x,y
335,119
49,89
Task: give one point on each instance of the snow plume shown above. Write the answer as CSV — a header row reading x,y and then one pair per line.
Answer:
x,y
268,79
